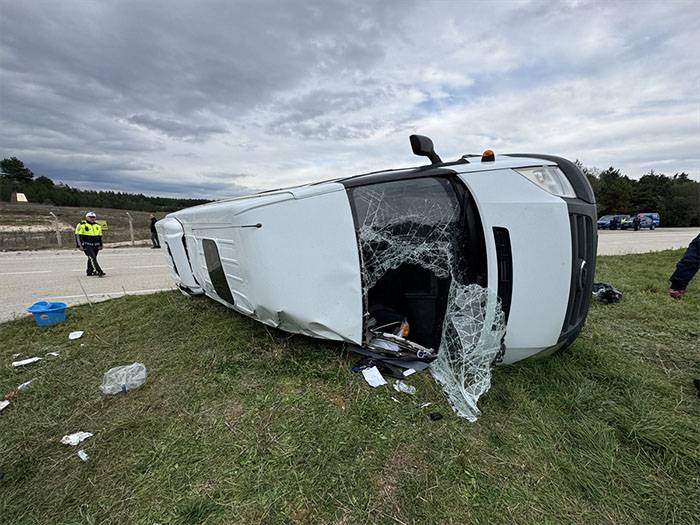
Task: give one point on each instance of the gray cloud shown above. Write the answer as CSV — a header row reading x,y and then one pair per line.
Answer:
x,y
175,128
166,96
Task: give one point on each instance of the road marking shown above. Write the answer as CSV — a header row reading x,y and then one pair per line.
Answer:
x,y
105,268
152,266
25,273
76,255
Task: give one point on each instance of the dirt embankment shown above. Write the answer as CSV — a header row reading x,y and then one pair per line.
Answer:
x,y
31,226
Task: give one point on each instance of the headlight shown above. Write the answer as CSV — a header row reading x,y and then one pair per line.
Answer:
x,y
550,179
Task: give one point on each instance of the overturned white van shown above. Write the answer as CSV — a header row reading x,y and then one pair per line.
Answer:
x,y
507,242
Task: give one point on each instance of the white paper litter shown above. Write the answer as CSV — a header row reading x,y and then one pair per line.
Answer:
x,y
400,386
74,439
373,377
75,335
4,405
83,455
408,372
53,354
14,356
25,386
24,362
425,405
395,400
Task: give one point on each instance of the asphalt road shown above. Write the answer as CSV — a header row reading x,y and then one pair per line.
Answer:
x,y
52,275
59,275
620,242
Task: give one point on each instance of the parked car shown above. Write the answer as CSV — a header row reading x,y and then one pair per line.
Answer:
x,y
655,217
644,222
320,259
611,222
603,222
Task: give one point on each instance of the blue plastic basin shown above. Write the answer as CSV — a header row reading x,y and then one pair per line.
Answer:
x,y
46,313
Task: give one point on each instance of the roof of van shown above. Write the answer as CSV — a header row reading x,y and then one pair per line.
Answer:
x,y
463,165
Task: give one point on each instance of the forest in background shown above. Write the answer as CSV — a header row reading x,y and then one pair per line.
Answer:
x,y
676,198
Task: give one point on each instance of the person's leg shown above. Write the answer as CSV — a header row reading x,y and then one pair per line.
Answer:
x,y
154,239
157,240
93,265
90,269
98,270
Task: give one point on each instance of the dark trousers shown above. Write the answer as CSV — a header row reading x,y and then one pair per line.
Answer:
x,y
154,239
93,268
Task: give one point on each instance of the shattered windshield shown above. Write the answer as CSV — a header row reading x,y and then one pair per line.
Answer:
x,y
410,232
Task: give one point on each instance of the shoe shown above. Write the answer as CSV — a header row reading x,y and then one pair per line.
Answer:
x,y
102,275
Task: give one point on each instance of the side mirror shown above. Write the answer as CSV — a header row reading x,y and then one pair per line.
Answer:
x,y
423,147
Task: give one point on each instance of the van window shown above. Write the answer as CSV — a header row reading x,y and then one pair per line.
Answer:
x,y
426,201
216,271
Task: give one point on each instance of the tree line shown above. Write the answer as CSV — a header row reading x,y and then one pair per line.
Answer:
x,y
16,177
676,198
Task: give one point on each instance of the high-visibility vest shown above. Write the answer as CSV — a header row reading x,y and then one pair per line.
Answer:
x,y
88,233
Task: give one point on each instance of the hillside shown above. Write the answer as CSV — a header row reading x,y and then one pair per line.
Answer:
x,y
242,424
30,226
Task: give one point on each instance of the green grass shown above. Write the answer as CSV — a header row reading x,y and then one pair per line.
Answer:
x,y
241,424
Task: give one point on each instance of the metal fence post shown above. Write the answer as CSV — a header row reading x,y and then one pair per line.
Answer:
x,y
57,227
131,228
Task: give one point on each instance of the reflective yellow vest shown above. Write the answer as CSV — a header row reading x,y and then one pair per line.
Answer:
x,y
88,234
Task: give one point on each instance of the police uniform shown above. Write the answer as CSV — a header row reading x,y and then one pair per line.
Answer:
x,y
88,237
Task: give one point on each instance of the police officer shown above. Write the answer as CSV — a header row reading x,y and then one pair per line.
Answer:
x,y
88,237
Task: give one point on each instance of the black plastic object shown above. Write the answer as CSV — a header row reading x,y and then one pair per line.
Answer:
x,y
606,294
423,147
435,416
216,271
504,257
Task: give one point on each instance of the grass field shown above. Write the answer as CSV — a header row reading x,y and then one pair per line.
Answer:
x,y
30,226
240,424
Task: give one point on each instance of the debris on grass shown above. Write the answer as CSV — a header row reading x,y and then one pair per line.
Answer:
x,y
123,378
426,405
400,386
25,386
606,294
75,335
373,377
53,354
435,416
4,404
11,395
83,455
25,362
75,438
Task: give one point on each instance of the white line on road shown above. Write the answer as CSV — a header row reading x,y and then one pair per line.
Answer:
x,y
25,273
75,255
152,266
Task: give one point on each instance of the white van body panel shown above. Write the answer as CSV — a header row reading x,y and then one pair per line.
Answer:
x,y
540,236
298,271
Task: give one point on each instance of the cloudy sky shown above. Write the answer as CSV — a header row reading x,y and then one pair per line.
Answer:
x,y
215,98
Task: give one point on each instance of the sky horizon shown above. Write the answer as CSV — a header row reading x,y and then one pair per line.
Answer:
x,y
217,99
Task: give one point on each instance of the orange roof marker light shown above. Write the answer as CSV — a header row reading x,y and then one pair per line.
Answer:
x,y
488,156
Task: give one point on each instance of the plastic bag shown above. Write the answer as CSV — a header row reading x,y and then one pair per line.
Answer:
x,y
123,378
